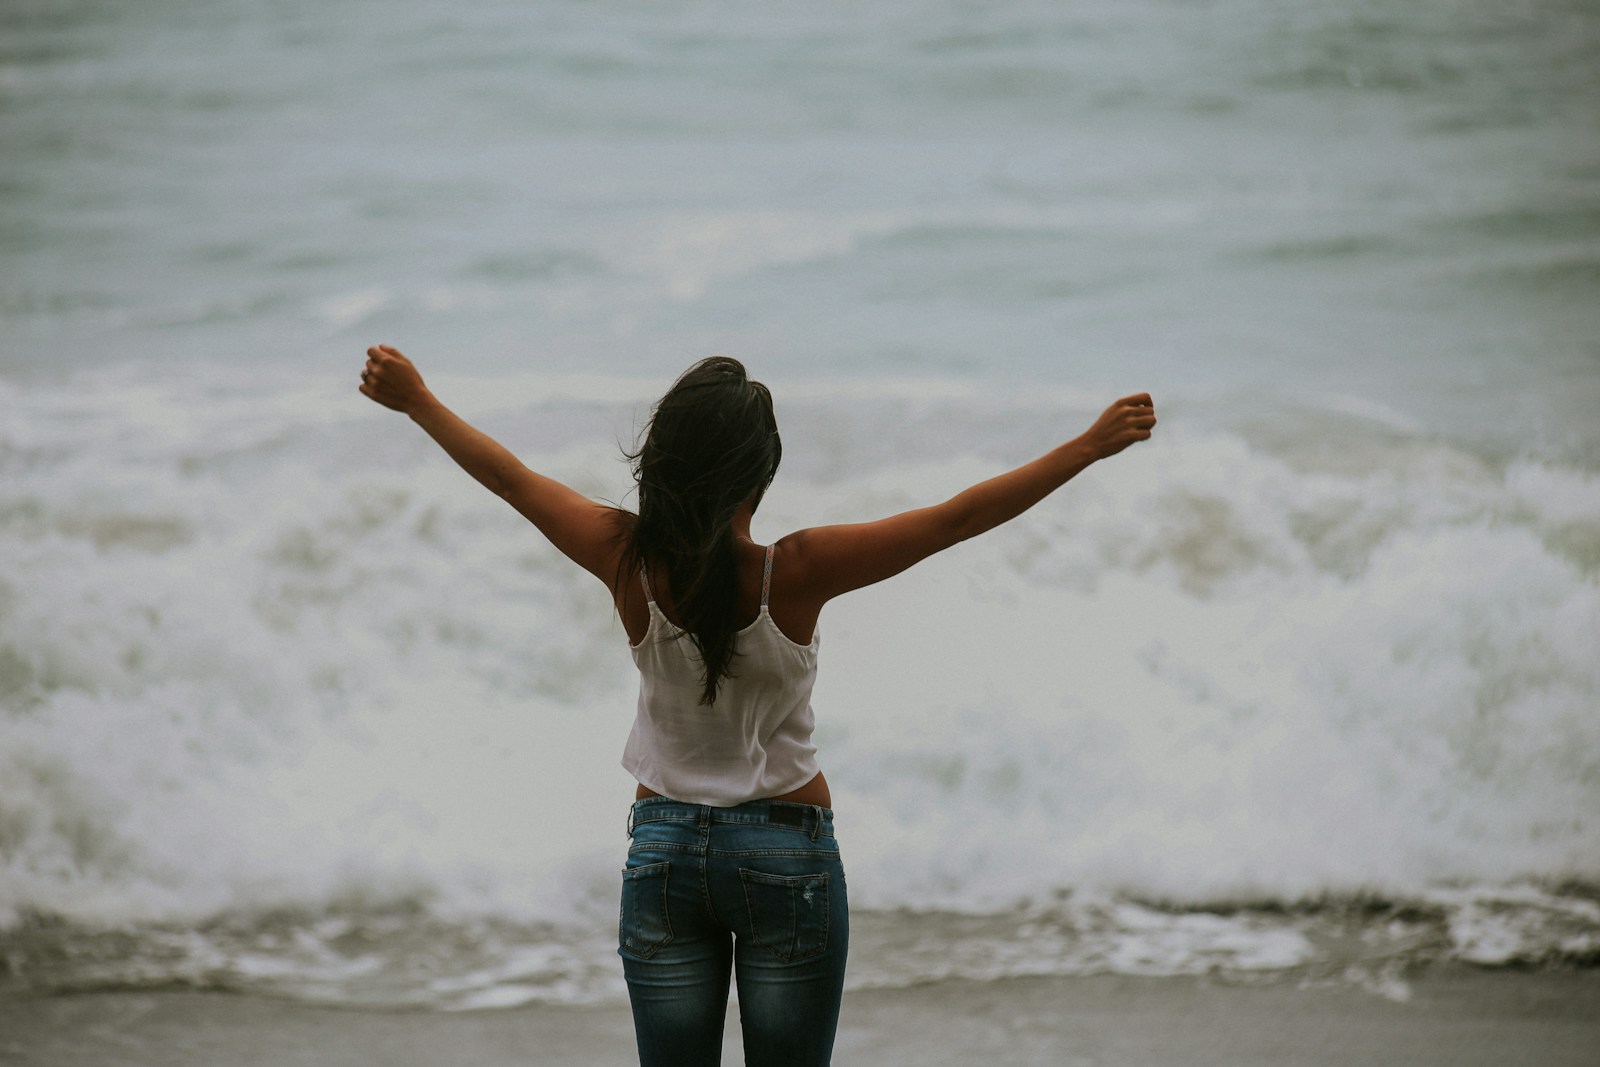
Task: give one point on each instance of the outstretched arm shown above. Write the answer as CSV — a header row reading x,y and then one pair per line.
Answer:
x,y
583,529
836,559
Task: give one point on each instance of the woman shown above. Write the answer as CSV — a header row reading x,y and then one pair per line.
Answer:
x,y
733,869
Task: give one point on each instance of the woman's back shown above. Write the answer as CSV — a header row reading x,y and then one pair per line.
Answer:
x,y
753,741
786,603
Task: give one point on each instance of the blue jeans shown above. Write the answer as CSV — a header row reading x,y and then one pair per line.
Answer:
x,y
756,890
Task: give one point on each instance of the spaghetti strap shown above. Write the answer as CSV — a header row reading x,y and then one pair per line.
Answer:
x,y
766,577
645,578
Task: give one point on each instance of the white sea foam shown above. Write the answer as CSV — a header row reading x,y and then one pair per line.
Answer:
x,y
332,669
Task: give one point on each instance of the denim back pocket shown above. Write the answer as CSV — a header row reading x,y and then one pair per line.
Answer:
x,y
643,928
788,913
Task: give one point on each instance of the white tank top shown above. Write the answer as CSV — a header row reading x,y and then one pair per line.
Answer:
x,y
754,742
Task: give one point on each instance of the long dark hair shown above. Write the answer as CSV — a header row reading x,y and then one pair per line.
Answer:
x,y
712,444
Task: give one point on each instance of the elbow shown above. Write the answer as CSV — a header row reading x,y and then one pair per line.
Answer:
x,y
977,511
494,480
964,522
501,478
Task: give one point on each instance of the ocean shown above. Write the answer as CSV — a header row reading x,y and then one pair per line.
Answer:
x,y
1306,686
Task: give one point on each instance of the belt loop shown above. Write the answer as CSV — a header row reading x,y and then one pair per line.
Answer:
x,y
816,827
631,809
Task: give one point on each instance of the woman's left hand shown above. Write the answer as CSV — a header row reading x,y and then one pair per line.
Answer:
x,y
392,380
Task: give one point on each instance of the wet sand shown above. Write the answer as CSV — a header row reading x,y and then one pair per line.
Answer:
x,y
1456,1016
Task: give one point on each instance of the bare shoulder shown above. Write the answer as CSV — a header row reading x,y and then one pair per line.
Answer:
x,y
796,601
832,560
799,555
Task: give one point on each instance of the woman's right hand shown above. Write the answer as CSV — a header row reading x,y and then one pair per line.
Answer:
x,y
1128,420
392,380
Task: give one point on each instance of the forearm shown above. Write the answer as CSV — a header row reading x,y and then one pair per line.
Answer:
x,y
480,455
1002,498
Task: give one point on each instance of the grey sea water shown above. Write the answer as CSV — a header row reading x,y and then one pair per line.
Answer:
x,y
284,704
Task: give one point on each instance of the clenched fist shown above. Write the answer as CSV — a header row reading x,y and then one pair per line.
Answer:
x,y
392,380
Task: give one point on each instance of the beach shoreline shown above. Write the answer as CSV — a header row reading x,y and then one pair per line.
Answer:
x,y
1456,1015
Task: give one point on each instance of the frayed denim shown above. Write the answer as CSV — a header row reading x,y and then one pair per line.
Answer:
x,y
756,891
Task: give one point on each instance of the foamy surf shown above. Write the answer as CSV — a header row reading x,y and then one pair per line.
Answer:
x,y
403,957
292,706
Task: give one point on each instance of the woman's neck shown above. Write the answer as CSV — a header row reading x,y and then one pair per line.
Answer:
x,y
740,526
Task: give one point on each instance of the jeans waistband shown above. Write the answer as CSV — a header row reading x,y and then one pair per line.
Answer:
x,y
814,820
